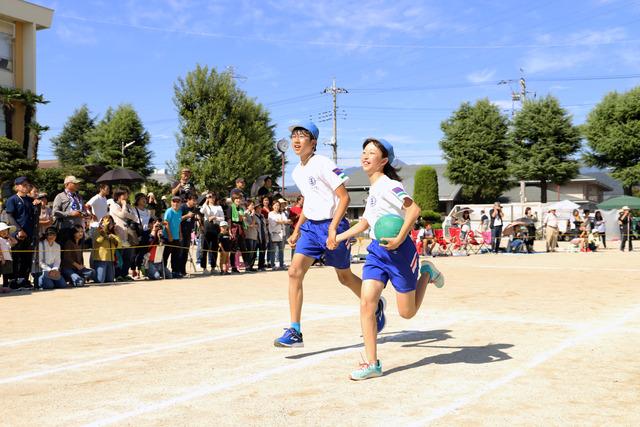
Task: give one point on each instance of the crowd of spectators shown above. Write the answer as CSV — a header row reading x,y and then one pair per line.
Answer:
x,y
117,236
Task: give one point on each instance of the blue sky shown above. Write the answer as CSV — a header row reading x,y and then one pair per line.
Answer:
x,y
406,64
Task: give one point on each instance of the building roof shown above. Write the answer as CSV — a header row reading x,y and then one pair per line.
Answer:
x,y
604,177
19,10
48,164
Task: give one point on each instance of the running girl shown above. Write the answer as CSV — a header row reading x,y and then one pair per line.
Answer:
x,y
394,259
326,199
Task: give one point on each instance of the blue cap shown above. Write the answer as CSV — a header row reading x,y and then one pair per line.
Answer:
x,y
387,146
20,180
306,124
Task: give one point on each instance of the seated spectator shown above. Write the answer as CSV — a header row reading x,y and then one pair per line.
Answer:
x,y
581,241
156,269
6,261
49,255
426,236
73,268
517,243
104,250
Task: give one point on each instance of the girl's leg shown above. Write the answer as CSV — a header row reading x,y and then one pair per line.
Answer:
x,y
409,303
370,295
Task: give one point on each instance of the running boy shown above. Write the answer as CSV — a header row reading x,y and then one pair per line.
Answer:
x,y
321,183
394,259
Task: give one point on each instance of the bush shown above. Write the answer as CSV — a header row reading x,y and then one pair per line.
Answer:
x,y
430,216
436,226
425,189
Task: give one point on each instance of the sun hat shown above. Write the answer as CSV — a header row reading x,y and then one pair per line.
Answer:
x,y
51,230
224,224
71,179
497,205
626,208
305,124
5,226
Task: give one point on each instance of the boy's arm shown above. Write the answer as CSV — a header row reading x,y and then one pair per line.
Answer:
x,y
295,234
343,204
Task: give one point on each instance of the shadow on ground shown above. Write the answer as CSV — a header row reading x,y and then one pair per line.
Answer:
x,y
417,337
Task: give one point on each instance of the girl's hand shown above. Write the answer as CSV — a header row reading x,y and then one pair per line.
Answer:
x,y
391,244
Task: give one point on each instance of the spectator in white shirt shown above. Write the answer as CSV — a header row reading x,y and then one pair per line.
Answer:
x,y
212,216
551,230
277,222
600,228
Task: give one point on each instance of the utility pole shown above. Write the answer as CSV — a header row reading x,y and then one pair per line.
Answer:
x,y
124,147
334,91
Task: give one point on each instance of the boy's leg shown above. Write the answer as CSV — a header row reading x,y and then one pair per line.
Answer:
x,y
350,280
297,270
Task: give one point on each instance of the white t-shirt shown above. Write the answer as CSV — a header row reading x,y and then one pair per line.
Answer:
x,y
276,229
212,212
98,205
317,181
5,247
145,216
386,196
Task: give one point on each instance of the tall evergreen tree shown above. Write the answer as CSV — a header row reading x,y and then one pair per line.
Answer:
x,y
475,145
544,144
72,147
425,189
612,131
14,161
119,126
223,133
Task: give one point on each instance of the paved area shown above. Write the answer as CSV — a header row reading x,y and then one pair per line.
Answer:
x,y
546,339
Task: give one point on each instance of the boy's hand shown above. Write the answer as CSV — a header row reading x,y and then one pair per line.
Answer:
x,y
390,244
293,239
332,244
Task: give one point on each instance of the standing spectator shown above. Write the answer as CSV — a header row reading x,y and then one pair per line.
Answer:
x,y
6,261
263,236
239,189
531,228
625,221
224,247
484,221
600,228
45,219
251,235
190,215
465,224
155,210
184,186
143,216
68,208
172,220
587,221
496,216
576,222
21,214
267,187
156,269
551,230
73,268
126,226
50,259
277,222
266,206
105,245
97,206
235,217
212,216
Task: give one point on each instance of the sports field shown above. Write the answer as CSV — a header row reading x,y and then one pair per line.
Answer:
x,y
548,339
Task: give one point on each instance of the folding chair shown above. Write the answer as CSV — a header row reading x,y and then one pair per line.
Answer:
x,y
442,246
474,242
486,240
455,241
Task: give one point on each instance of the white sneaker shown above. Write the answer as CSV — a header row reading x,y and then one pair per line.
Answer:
x,y
435,276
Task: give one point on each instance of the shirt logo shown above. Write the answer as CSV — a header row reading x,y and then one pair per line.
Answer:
x,y
312,181
372,201
340,173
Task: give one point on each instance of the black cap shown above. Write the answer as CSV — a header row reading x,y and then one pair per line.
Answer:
x,y
20,180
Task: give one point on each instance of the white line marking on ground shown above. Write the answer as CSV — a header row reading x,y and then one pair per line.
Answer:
x,y
533,267
161,348
533,363
123,325
250,379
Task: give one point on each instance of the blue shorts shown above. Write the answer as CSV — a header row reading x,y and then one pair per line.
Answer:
x,y
400,266
313,243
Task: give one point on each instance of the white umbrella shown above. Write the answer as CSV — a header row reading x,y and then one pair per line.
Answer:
x,y
461,211
564,205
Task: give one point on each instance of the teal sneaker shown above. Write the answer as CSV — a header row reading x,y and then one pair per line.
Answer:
x,y
435,276
366,371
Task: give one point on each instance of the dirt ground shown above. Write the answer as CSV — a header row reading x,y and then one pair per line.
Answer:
x,y
545,339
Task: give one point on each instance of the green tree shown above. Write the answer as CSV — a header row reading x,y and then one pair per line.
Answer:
x,y
122,125
425,189
223,133
73,146
50,181
544,142
612,131
13,161
475,144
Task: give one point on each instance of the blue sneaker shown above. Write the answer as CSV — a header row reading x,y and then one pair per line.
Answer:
x,y
381,320
435,276
366,371
290,338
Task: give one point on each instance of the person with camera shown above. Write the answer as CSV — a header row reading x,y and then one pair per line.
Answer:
x,y
495,224
190,216
156,270
212,216
171,232
141,227
105,244
184,186
625,221
127,229
73,268
50,257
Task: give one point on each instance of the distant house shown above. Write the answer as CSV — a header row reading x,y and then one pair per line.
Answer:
x,y
19,22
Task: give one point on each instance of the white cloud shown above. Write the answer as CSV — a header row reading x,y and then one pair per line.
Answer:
x,y
481,76
75,33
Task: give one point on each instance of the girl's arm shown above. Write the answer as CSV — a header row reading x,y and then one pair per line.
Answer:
x,y
360,227
412,213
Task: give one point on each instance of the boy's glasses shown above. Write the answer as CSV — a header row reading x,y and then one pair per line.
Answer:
x,y
299,135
